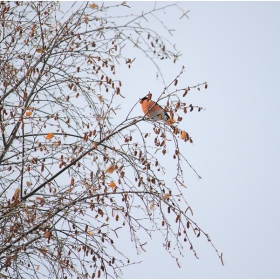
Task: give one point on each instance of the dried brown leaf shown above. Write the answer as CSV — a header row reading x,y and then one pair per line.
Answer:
x,y
17,194
70,190
166,196
93,6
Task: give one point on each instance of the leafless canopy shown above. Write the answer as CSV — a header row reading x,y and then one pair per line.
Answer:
x,y
70,179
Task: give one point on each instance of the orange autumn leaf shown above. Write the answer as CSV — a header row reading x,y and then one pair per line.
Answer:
x,y
183,134
28,184
40,50
50,136
28,113
111,169
112,184
170,121
93,6
90,233
166,196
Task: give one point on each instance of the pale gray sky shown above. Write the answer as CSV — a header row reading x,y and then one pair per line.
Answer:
x,y
235,47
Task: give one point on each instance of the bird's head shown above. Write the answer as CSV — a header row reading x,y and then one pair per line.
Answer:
x,y
146,97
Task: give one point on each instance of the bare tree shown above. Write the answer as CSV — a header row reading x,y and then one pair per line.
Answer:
x,y
70,178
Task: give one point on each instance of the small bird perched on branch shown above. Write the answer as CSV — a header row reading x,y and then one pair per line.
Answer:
x,y
154,111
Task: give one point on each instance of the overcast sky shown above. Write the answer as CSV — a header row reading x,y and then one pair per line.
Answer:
x,y
235,47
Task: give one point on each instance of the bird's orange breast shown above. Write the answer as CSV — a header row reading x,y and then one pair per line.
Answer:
x,y
146,106
152,108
